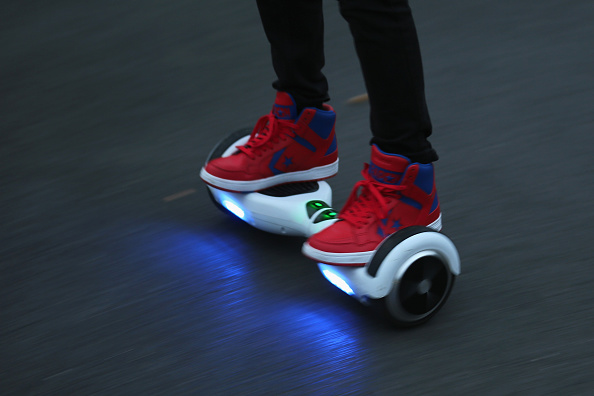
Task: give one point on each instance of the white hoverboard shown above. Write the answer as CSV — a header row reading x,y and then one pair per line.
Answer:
x,y
409,277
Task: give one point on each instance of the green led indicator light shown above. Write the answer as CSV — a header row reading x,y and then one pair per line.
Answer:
x,y
325,215
313,207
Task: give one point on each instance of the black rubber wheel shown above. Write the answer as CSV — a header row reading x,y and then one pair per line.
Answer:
x,y
421,290
420,294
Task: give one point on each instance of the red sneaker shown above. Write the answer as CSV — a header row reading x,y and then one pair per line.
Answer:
x,y
283,148
394,194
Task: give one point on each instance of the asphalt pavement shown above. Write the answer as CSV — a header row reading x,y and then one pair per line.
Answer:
x,y
118,276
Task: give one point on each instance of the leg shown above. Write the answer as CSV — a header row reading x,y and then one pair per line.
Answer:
x,y
387,45
398,189
297,141
295,30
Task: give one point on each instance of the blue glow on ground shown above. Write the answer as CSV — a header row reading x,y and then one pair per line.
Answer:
x,y
338,282
233,208
218,289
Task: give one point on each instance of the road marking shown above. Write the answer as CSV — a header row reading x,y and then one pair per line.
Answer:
x,y
179,195
358,99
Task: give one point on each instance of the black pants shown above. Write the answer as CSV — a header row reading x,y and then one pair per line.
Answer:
x,y
387,45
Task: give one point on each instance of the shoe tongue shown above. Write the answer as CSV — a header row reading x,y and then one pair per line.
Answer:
x,y
387,168
284,107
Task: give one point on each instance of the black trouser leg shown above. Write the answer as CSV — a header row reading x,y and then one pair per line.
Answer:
x,y
295,30
387,45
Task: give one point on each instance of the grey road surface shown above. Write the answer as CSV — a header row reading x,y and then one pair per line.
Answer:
x,y
119,277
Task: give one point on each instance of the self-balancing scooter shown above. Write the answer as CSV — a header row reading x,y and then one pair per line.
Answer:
x,y
409,277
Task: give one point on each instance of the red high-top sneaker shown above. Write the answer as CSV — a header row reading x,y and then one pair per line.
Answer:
x,y
394,194
284,147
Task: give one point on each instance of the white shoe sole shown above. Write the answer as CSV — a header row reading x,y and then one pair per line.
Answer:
x,y
318,173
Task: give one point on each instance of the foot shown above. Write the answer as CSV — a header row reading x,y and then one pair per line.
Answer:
x,y
394,194
284,147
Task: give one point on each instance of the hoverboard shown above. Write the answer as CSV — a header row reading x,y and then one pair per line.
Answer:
x,y
410,275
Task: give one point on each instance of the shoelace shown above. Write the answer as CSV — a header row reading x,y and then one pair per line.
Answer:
x,y
268,130
360,207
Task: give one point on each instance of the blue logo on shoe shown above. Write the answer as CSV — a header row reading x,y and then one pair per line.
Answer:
x,y
283,112
383,230
275,160
383,175
305,143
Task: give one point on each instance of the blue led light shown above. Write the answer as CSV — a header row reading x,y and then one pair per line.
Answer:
x,y
338,282
233,208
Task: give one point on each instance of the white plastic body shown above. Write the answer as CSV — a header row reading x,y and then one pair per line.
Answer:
x,y
278,215
288,216
357,282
